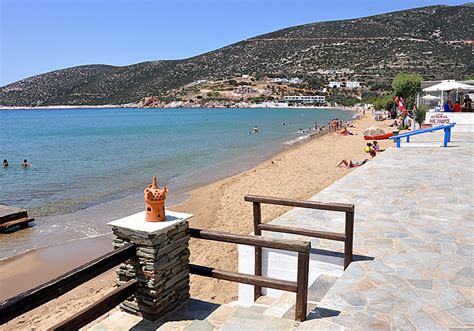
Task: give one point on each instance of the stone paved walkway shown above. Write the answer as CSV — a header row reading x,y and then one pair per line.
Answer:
x,y
414,219
414,244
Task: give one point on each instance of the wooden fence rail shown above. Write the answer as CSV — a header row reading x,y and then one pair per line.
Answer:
x,y
300,286
346,237
98,308
38,296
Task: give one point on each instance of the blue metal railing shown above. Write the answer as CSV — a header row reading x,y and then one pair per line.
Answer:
x,y
446,128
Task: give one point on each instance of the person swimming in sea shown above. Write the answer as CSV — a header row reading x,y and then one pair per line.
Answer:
x,y
25,164
5,163
255,129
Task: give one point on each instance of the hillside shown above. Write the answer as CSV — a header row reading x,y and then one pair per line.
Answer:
x,y
435,42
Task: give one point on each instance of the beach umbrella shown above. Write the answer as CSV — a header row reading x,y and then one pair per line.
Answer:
x,y
430,97
399,101
448,85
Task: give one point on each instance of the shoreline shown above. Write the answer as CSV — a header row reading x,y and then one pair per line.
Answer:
x,y
22,242
32,255
133,106
219,206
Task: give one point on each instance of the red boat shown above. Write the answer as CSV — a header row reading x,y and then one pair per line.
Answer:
x,y
379,137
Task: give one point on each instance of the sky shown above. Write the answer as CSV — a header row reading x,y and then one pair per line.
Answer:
x,y
37,36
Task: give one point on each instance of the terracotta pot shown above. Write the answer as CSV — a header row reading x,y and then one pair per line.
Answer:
x,y
155,202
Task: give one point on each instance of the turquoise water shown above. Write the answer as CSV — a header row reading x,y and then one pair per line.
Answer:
x,y
86,157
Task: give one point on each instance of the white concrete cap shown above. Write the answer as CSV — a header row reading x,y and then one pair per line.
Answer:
x,y
136,223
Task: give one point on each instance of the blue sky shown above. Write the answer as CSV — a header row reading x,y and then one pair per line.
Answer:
x,y
38,36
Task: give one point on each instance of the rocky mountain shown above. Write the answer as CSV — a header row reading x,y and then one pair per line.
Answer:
x,y
436,42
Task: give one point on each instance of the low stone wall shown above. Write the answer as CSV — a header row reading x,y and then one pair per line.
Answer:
x,y
161,267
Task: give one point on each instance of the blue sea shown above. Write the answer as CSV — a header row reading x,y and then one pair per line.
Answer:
x,y
91,165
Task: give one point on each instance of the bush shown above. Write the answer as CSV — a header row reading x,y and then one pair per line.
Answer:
x,y
420,114
343,99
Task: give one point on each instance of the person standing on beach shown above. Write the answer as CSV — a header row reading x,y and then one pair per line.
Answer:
x,y
5,163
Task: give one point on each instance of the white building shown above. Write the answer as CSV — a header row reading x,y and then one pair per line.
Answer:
x,y
334,84
295,80
244,89
318,99
352,84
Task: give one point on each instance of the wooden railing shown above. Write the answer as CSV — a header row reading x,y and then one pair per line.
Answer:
x,y
46,292
346,237
40,295
300,286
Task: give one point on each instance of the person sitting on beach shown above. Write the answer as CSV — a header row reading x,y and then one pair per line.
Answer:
x,y
448,106
351,164
467,102
25,164
376,146
457,107
370,149
5,163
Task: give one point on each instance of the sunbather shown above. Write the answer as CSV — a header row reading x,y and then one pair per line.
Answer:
x,y
345,132
351,164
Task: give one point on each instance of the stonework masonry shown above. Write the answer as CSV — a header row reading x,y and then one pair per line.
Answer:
x,y
161,264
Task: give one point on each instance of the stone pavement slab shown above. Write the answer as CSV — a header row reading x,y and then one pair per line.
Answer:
x,y
413,237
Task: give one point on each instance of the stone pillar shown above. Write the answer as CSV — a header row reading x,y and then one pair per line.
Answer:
x,y
161,265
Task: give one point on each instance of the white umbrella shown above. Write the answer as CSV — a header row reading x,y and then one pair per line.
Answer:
x,y
430,97
448,85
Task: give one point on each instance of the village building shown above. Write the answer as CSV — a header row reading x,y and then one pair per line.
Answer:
x,y
244,89
308,99
335,84
353,84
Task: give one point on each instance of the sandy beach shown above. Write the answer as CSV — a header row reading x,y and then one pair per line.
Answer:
x,y
299,173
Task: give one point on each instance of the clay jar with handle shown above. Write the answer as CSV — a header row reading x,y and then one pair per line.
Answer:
x,y
155,202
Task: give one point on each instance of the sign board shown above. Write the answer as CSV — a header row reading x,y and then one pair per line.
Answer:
x,y
439,118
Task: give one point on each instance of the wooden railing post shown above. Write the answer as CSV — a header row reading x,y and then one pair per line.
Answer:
x,y
257,219
349,232
302,291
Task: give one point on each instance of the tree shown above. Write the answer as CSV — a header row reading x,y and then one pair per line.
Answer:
x,y
407,86
385,103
